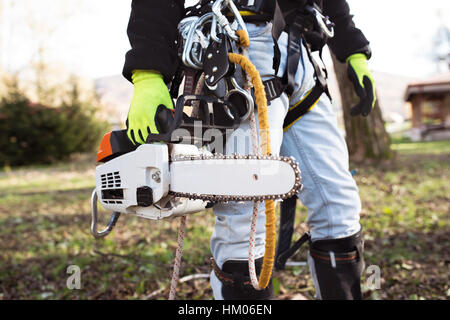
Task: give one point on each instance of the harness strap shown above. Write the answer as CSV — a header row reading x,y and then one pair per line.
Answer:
x,y
297,27
282,257
286,249
303,106
228,279
293,57
236,283
286,229
278,26
334,258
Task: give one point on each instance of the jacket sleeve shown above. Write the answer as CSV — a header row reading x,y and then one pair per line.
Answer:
x,y
347,38
152,32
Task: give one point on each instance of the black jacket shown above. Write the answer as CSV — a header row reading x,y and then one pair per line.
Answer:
x,y
152,31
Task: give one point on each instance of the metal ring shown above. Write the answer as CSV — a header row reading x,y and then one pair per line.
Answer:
x,y
248,97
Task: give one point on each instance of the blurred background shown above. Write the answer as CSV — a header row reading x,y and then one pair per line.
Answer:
x,y
61,89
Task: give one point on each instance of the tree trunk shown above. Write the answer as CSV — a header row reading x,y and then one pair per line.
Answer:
x,y
366,137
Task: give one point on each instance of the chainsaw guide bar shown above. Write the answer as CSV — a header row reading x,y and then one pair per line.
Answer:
x,y
204,160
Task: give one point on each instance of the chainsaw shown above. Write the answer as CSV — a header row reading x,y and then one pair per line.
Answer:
x,y
168,177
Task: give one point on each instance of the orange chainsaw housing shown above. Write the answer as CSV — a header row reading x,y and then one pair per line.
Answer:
x,y
114,144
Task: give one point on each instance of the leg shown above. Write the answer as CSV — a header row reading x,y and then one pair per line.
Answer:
x,y
230,240
330,194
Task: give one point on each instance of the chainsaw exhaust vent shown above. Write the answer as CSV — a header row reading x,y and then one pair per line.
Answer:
x,y
111,180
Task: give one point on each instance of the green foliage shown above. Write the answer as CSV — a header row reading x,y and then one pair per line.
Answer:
x,y
34,133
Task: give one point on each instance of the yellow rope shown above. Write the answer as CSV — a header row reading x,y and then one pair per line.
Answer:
x,y
260,100
263,120
244,40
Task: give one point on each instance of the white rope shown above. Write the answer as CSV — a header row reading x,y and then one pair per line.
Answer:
x,y
256,204
182,228
251,248
198,90
178,255
254,221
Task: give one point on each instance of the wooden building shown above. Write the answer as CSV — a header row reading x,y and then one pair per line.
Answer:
x,y
430,108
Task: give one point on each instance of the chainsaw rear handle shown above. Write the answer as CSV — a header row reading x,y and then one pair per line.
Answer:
x,y
94,213
175,123
214,113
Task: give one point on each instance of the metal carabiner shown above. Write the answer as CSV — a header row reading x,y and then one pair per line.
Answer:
x,y
185,24
324,22
184,28
94,214
238,21
187,48
186,56
188,31
213,32
237,15
198,47
216,8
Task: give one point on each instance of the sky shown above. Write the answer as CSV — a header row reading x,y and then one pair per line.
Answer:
x,y
88,37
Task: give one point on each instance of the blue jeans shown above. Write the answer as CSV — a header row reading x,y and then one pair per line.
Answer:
x,y
330,193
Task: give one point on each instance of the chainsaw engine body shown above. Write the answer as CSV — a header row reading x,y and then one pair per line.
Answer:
x,y
138,182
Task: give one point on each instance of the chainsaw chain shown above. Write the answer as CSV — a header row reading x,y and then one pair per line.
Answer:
x,y
222,198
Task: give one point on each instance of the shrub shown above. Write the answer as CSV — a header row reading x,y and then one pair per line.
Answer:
x,y
33,133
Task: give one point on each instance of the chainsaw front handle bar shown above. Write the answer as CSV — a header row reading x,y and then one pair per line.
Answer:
x,y
171,136
94,213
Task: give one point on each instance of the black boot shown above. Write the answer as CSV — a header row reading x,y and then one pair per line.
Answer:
x,y
236,284
336,267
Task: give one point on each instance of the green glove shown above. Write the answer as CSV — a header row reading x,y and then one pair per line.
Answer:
x,y
150,106
363,82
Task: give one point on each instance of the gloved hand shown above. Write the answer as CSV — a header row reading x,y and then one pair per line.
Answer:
x,y
151,105
363,82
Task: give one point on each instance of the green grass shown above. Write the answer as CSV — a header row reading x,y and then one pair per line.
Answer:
x,y
45,221
66,176
432,147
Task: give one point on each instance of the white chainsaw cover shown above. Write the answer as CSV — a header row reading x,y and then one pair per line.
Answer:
x,y
168,184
